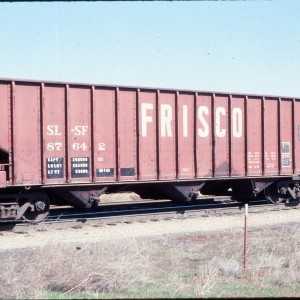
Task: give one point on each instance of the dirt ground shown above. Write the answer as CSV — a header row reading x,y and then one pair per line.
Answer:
x,y
92,234
181,258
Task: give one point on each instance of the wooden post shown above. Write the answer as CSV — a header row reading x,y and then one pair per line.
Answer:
x,y
245,236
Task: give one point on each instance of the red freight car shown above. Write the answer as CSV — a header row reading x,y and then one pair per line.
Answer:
x,y
75,141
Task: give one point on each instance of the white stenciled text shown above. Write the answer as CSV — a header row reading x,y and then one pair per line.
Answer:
x,y
204,121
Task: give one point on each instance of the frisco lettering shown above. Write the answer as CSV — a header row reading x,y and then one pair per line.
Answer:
x,y
166,118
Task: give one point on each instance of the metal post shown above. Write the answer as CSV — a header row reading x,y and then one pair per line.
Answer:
x,y
245,236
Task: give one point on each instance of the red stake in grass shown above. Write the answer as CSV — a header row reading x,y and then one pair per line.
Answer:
x,y
245,236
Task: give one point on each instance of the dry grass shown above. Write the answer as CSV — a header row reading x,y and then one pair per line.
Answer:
x,y
89,268
196,265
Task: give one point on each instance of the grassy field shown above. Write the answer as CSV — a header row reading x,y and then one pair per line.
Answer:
x,y
171,266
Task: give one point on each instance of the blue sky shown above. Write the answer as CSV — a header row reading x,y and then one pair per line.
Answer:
x,y
235,46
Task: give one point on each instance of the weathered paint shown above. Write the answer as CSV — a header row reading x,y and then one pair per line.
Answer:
x,y
79,134
147,159
26,134
104,151
5,95
58,133
54,146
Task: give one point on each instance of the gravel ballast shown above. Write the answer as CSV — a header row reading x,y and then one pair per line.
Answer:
x,y
93,234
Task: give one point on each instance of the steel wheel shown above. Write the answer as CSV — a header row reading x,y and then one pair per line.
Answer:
x,y
34,206
272,194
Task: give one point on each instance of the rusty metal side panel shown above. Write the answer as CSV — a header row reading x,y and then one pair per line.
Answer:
x,y
186,129
221,160
167,136
54,146
286,145
147,135
254,137
297,136
4,116
204,136
79,134
3,182
271,137
237,132
127,158
26,134
104,134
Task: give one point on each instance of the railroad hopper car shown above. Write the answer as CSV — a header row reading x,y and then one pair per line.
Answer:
x,y
69,143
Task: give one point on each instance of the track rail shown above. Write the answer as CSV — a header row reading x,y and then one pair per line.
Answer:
x,y
142,212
